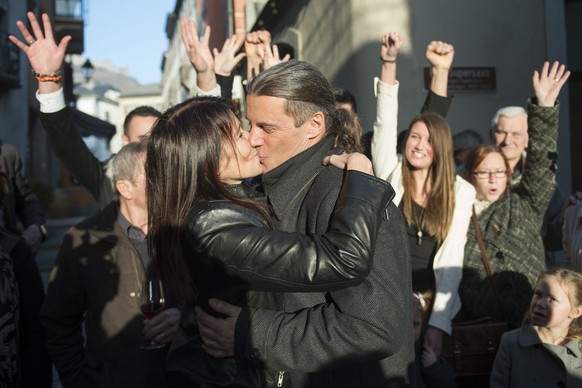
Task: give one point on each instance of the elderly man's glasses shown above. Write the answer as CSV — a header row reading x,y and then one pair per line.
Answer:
x,y
484,174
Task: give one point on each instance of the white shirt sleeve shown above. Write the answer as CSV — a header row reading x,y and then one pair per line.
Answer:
x,y
384,156
216,92
51,102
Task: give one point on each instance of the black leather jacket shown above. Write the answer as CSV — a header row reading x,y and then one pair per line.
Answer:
x,y
234,250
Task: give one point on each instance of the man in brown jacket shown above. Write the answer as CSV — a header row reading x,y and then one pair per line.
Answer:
x,y
97,280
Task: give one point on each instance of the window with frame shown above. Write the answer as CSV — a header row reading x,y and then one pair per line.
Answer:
x,y
69,8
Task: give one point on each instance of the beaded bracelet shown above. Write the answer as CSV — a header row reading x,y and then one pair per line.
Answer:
x,y
54,77
49,79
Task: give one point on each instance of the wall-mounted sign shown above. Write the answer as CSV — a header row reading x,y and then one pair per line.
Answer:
x,y
468,79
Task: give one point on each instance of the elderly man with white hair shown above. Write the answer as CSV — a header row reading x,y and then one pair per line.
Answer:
x,y
509,131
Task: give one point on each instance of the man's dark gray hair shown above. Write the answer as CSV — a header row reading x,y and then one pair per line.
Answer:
x,y
128,163
140,111
305,88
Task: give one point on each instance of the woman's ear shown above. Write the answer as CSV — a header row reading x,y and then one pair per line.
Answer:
x,y
576,312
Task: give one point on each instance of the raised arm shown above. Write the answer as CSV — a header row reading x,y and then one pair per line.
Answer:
x,y
213,72
384,157
271,56
537,183
389,49
548,82
225,61
440,56
46,59
199,54
255,43
44,55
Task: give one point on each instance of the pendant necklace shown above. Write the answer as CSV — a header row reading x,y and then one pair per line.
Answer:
x,y
418,225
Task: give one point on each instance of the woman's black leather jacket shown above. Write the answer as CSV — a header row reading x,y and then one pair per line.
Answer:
x,y
231,249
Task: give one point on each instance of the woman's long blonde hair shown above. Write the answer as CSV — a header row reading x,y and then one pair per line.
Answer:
x,y
440,184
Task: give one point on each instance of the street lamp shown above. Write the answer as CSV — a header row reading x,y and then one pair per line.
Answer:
x,y
87,70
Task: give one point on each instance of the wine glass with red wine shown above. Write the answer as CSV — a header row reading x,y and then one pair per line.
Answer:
x,y
152,304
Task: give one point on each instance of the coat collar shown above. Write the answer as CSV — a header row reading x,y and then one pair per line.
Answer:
x,y
529,337
286,183
105,224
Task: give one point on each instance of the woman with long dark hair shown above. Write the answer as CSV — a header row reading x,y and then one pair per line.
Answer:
x,y
209,237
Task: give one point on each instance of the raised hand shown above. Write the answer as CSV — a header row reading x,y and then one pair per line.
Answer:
x,y
271,57
440,54
255,43
391,43
226,60
548,83
197,49
44,55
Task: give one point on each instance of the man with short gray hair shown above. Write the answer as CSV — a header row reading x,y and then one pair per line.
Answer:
x,y
98,280
509,132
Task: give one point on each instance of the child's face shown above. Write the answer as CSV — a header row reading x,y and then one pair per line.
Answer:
x,y
550,306
417,324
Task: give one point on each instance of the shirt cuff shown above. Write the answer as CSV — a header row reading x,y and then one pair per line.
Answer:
x,y
51,102
216,92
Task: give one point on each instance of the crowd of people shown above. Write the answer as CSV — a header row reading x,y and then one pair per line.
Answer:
x,y
288,257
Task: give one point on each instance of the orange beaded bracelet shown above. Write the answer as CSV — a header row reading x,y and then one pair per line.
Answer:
x,y
54,77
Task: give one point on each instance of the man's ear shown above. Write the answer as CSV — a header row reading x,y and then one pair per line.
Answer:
x,y
123,188
316,125
124,139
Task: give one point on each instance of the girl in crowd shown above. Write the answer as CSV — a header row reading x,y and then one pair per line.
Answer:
x,y
510,218
209,238
547,350
430,370
435,202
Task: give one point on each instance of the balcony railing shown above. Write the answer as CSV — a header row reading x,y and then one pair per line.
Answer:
x,y
9,63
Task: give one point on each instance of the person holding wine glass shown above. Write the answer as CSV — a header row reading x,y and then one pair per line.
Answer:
x,y
98,281
153,303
